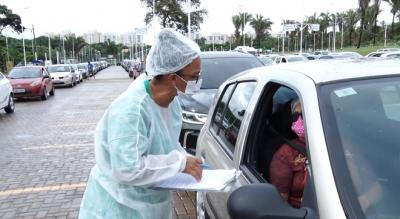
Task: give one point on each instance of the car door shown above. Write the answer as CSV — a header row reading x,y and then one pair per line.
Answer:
x,y
48,81
3,91
226,128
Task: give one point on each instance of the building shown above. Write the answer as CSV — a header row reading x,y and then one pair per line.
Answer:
x,y
217,38
93,37
112,37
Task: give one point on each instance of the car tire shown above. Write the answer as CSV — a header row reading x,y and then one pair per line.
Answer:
x,y
201,212
52,92
72,83
11,105
44,94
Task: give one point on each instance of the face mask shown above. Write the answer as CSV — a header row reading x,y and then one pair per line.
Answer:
x,y
298,127
191,86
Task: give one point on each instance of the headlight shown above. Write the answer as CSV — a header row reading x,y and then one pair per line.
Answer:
x,y
194,118
36,83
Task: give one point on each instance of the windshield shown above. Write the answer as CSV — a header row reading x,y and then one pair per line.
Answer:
x,y
25,73
214,71
296,58
266,60
62,68
361,123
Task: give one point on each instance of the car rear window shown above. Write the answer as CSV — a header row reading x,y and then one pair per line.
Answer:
x,y
25,73
52,69
214,71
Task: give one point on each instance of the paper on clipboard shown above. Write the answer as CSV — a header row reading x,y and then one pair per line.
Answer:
x,y
212,180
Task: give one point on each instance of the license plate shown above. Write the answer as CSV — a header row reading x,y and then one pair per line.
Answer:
x,y
19,90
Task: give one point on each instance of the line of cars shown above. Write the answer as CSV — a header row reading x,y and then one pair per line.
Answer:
x,y
36,81
133,67
385,53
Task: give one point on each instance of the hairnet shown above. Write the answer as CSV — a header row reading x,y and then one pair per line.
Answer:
x,y
170,53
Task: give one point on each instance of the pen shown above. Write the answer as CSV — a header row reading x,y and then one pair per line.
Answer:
x,y
204,166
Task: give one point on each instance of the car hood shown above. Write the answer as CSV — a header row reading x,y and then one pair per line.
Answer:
x,y
22,81
199,102
59,74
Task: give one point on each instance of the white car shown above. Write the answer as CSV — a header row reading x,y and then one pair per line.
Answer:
x,y
389,50
62,75
290,59
392,55
351,113
78,73
6,95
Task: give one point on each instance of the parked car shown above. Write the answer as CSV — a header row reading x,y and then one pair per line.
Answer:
x,y
355,55
83,68
290,59
77,72
134,69
388,50
6,95
391,55
375,54
62,75
31,81
216,67
351,117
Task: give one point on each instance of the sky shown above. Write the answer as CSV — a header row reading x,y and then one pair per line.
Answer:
x,y
119,16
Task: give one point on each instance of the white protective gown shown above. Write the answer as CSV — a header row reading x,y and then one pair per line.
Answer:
x,y
134,149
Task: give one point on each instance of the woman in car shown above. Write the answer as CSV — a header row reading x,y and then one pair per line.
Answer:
x,y
287,169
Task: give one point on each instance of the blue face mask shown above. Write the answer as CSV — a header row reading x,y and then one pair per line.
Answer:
x,y
191,86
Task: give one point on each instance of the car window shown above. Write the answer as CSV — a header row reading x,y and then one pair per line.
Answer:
x,y
1,76
390,96
215,71
25,73
221,106
233,114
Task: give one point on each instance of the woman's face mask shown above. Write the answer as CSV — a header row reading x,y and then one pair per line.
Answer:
x,y
191,86
298,127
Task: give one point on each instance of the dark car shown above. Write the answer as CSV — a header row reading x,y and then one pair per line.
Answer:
x,y
31,81
216,67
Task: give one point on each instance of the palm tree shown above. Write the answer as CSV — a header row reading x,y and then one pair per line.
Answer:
x,y
376,7
363,5
244,19
351,19
395,4
261,26
324,21
237,23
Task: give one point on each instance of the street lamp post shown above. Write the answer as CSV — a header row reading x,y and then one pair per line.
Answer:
x,y
189,10
49,49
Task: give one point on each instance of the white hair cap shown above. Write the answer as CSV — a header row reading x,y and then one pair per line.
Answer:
x,y
170,53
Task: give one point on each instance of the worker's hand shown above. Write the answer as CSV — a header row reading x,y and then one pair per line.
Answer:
x,y
193,167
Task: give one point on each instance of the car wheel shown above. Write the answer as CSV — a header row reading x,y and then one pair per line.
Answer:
x,y
44,95
72,83
52,92
200,206
11,105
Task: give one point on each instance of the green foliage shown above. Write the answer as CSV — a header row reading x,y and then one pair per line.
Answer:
x,y
9,19
173,15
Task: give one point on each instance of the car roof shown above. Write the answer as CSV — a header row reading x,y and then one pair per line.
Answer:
x,y
332,70
30,66
229,54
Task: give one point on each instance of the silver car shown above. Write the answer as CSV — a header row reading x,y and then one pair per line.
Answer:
x,y
351,112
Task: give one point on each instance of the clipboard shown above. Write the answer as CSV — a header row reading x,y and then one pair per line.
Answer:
x,y
212,180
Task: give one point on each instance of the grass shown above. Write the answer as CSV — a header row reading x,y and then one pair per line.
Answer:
x,y
367,49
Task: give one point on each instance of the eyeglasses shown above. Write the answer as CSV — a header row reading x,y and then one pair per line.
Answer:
x,y
296,115
192,78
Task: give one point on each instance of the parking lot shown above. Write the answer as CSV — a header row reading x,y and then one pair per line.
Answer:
x,y
47,150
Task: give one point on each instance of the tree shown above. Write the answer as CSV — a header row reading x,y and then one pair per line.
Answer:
x,y
261,26
244,19
8,19
395,4
237,23
172,15
376,7
351,19
363,5
324,22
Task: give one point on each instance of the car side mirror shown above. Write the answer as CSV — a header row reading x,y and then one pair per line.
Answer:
x,y
46,76
262,201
